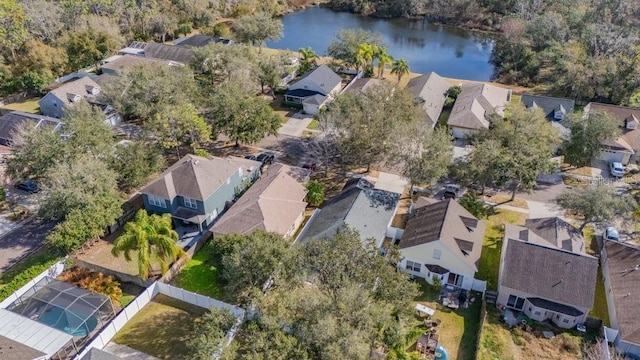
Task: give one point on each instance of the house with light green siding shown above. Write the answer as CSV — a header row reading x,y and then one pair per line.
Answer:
x,y
196,190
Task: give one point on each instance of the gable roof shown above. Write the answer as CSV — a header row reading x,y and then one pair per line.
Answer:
x,y
11,122
362,84
323,77
451,224
272,204
623,265
175,53
474,102
360,206
548,104
200,40
557,232
549,273
13,350
197,177
77,88
630,138
129,61
430,92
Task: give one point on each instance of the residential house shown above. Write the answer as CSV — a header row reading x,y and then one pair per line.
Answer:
x,y
360,206
430,92
475,106
175,54
314,89
545,273
621,273
70,93
200,40
275,203
442,241
197,190
556,110
625,148
12,122
120,63
362,84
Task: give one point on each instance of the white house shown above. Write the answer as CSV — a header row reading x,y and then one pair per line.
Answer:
x,y
474,107
444,241
314,89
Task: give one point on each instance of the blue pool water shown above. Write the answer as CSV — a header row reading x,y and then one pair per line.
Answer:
x,y
52,318
441,353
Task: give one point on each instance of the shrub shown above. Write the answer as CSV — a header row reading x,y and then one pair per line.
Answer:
x,y
3,194
25,276
475,206
315,196
93,281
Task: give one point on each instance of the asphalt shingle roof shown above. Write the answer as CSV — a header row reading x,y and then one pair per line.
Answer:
x,y
630,138
548,104
549,273
13,350
96,354
175,53
324,77
558,232
11,122
81,87
474,102
430,92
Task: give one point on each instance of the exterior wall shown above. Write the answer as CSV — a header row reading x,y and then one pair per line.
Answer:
x,y
460,133
627,348
336,90
156,209
310,109
50,105
614,156
543,314
296,225
306,84
423,254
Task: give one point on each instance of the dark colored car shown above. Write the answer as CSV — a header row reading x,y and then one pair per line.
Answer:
x,y
29,186
251,157
266,158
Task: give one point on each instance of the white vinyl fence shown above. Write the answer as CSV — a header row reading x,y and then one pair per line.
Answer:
x,y
111,329
53,271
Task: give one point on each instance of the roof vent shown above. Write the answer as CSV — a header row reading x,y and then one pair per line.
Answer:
x,y
196,162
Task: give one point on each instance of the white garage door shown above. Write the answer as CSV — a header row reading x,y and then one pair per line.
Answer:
x,y
460,133
609,156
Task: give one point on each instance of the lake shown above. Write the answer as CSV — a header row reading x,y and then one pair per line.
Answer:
x,y
449,51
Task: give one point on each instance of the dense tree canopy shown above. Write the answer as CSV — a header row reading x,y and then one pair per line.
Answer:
x,y
588,135
596,203
257,28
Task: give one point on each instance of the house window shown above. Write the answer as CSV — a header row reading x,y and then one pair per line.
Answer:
x,y
515,302
436,254
529,308
566,321
558,115
455,279
413,266
537,312
156,201
190,203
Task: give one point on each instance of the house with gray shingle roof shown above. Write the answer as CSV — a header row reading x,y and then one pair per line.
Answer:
x,y
200,40
197,190
360,206
621,273
123,62
546,281
550,231
314,89
430,93
475,106
625,148
275,203
72,92
13,122
442,241
174,53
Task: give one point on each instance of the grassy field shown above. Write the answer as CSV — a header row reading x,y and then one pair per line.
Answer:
x,y
489,265
28,105
506,200
25,270
459,329
201,275
314,125
599,309
161,328
500,342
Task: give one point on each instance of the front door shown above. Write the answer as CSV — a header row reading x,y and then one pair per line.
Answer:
x,y
455,279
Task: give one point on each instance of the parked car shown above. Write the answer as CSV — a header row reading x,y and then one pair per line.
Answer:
x,y
616,169
29,186
266,158
611,233
251,157
452,191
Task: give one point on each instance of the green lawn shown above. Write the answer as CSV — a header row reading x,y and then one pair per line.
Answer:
x,y
459,329
25,270
599,309
161,328
489,265
202,274
314,124
29,105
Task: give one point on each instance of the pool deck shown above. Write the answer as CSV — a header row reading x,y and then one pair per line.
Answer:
x,y
126,353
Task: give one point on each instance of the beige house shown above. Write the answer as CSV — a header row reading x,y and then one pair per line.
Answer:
x,y
624,149
430,93
444,241
621,273
545,273
474,107
275,203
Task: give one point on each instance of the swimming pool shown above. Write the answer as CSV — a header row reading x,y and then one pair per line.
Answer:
x,y
68,321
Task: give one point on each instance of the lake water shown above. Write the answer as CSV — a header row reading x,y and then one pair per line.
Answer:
x,y
449,51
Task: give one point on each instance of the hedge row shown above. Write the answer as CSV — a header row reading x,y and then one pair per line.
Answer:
x,y
24,277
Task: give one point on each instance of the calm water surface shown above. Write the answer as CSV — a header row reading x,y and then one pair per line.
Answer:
x,y
449,51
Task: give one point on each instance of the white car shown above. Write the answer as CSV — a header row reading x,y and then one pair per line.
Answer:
x,y
611,233
616,169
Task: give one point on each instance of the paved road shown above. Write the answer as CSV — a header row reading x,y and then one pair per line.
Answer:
x,y
21,241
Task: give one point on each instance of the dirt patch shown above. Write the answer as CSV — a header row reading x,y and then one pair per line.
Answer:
x,y
333,182
506,200
404,205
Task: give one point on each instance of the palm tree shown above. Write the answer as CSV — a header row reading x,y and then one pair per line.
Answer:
x,y
149,236
365,55
400,67
308,59
384,59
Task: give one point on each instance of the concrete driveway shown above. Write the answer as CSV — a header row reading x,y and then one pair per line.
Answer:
x,y
23,240
295,125
391,182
